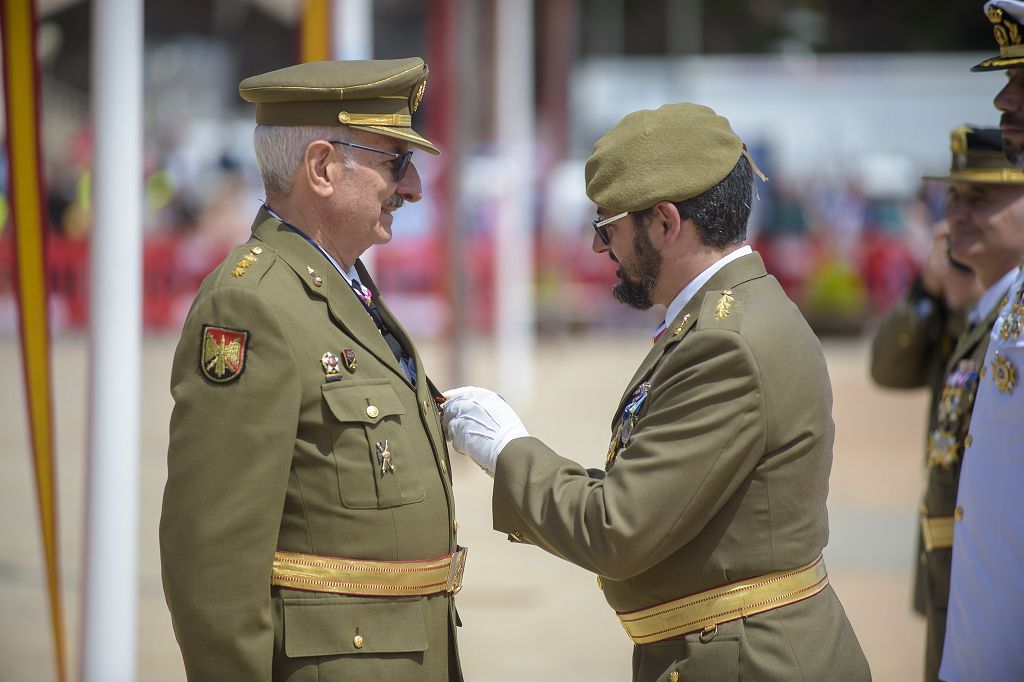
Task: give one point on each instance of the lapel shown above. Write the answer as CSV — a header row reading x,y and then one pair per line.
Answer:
x,y
345,309
743,269
969,340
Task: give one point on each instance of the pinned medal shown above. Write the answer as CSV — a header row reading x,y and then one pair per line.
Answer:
x,y
1004,373
331,366
349,356
384,457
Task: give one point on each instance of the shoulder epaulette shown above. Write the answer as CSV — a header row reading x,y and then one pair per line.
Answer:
x,y
721,310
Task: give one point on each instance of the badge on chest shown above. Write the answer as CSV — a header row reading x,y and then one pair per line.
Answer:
x,y
627,423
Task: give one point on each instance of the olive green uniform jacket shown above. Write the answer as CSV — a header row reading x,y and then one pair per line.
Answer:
x,y
911,349
279,458
946,443
724,477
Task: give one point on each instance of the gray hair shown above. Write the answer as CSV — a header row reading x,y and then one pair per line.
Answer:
x,y
279,151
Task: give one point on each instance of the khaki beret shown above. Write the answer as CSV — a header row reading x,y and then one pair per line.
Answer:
x,y
977,156
378,96
672,153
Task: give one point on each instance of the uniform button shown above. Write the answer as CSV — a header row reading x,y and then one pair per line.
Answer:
x,y
673,676
426,406
968,441
358,641
958,513
444,468
372,412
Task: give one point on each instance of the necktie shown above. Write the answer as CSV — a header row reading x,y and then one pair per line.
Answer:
x,y
406,361
659,331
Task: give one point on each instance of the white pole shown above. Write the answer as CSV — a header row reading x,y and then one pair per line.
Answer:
x,y
111,553
514,220
352,38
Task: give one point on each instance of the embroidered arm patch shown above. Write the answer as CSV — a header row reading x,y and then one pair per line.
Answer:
x,y
222,353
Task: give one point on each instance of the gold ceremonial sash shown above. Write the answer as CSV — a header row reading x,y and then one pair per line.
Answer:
x,y
361,577
937,532
706,610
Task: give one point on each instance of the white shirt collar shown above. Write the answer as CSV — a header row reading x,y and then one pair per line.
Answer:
x,y
684,296
990,299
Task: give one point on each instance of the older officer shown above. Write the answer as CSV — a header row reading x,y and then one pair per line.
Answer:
x,y
986,591
706,531
985,209
307,528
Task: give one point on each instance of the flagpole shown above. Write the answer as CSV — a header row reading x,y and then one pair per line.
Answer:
x,y
112,526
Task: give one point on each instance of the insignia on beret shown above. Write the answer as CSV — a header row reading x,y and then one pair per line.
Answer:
x,y
222,359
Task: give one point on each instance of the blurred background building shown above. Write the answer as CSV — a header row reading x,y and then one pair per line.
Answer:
x,y
844,107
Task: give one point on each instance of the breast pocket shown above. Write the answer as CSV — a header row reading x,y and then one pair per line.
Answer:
x,y
370,442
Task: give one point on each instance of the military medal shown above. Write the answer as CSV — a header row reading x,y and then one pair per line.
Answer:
x,y
331,369
384,457
349,356
1004,373
955,404
627,423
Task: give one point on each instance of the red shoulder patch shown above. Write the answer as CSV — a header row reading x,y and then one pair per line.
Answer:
x,y
222,356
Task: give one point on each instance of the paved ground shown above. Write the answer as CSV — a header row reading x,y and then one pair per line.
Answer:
x,y
527,615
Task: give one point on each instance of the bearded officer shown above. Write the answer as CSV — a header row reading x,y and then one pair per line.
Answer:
x,y
707,528
307,528
986,591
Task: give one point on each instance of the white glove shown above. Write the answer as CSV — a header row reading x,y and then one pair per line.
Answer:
x,y
480,424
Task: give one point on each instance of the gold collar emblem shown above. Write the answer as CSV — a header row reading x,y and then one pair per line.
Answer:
x,y
724,305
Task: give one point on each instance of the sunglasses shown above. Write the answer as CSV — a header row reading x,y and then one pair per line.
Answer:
x,y
599,226
401,159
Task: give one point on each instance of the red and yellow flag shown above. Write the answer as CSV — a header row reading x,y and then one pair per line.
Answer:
x,y
28,216
315,34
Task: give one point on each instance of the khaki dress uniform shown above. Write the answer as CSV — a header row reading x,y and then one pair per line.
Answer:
x,y
911,350
308,525
715,488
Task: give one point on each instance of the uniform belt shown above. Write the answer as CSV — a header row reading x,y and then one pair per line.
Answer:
x,y
937,532
361,577
706,610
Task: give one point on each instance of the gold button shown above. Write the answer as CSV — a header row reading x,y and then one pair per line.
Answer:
x,y
317,281
968,441
426,406
344,117
358,641
958,513
257,250
372,412
673,676
677,331
443,467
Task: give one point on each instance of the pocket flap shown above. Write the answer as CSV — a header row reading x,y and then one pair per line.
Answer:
x,y
362,402
327,627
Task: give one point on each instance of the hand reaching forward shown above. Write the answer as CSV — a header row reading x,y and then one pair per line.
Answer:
x,y
480,424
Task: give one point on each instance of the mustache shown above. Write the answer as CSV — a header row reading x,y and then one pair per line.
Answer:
x,y
394,202
1011,120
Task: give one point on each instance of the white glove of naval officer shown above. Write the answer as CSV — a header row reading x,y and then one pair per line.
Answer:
x,y
480,424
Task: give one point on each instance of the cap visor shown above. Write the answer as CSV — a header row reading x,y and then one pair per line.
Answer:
x,y
998,64
406,134
999,176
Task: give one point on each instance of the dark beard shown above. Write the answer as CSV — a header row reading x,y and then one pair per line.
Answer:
x,y
1014,154
636,293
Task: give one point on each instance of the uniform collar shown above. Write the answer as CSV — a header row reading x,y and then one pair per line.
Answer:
x,y
684,296
990,299
349,274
